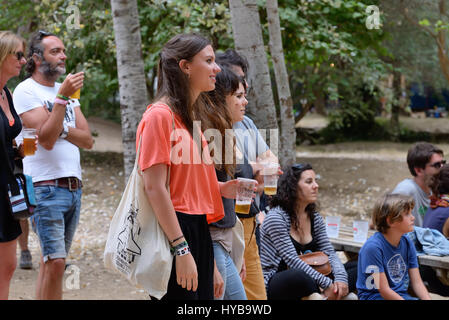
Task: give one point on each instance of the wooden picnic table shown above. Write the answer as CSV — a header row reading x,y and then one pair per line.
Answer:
x,y
345,243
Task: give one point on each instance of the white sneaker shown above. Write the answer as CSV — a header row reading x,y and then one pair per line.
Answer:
x,y
314,296
350,296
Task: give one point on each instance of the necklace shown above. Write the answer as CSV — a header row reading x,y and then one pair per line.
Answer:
x,y
3,95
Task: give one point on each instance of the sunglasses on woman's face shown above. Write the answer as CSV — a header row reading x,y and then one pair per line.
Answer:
x,y
19,55
438,165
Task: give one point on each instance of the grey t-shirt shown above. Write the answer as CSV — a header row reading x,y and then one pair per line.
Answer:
x,y
422,201
248,139
250,143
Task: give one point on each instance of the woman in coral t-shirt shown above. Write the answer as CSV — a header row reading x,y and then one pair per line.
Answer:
x,y
171,141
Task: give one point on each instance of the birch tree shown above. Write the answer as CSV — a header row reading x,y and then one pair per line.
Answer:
x,y
248,41
131,77
287,152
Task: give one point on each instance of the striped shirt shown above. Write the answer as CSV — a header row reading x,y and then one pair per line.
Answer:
x,y
276,245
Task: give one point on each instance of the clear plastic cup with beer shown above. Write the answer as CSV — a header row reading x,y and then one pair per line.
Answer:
x,y
270,178
245,191
76,94
29,141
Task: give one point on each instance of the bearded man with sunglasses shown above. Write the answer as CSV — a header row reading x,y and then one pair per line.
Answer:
x,y
424,162
44,104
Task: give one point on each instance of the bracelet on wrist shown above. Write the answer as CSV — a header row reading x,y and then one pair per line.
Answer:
x,y
61,101
180,249
183,251
178,238
62,97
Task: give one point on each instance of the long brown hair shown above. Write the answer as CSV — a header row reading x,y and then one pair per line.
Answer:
x,y
173,83
218,116
287,192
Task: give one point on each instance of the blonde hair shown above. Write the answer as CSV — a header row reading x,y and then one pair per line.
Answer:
x,y
390,206
8,44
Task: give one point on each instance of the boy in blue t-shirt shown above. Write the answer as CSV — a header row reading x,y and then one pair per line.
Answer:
x,y
387,261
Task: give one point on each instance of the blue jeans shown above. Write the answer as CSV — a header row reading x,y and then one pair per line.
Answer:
x,y
55,219
233,286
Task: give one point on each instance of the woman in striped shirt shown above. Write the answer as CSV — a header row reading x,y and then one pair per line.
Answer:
x,y
292,227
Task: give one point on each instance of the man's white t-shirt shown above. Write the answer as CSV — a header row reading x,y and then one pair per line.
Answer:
x,y
64,159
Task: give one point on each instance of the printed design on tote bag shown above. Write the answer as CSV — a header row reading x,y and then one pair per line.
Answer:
x,y
127,247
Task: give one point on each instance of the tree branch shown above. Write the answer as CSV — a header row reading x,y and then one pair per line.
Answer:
x,y
407,16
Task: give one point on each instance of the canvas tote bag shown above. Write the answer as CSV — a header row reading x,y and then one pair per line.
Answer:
x,y
238,244
136,246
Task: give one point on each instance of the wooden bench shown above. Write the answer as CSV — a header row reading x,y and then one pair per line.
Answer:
x,y
345,243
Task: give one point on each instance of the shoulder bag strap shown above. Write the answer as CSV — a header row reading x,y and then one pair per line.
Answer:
x,y
136,163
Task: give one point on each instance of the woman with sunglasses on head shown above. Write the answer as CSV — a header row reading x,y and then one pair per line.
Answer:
x,y
293,227
187,70
227,107
11,62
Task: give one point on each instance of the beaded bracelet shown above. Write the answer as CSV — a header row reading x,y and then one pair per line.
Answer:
x,y
180,249
63,97
183,251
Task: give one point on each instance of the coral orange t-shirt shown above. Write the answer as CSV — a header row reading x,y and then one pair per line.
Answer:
x,y
194,186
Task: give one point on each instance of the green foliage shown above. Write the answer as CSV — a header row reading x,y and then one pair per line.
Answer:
x,y
355,119
326,43
160,20
328,47
91,47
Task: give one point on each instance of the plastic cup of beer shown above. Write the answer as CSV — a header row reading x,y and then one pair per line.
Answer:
x,y
270,178
29,141
245,191
77,94
360,230
332,226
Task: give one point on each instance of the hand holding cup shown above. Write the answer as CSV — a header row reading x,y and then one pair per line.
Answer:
x,y
71,84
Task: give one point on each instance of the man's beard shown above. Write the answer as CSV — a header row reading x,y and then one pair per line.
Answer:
x,y
51,72
430,180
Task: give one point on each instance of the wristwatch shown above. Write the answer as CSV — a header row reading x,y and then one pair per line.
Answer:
x,y
65,131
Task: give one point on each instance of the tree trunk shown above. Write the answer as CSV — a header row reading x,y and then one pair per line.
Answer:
x,y
131,76
249,42
287,152
396,105
320,101
439,37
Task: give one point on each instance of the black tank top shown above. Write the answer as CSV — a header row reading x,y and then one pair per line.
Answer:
x,y
312,246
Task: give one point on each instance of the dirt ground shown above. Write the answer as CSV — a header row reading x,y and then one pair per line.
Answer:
x,y
352,176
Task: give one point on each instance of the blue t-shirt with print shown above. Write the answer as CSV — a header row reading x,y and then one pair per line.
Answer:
x,y
378,255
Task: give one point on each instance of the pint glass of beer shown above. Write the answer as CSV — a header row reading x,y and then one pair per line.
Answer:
x,y
270,178
29,141
244,196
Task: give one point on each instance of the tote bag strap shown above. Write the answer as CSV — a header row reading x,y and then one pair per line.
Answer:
x,y
136,163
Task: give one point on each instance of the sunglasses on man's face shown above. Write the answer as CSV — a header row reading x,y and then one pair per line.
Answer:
x,y
438,165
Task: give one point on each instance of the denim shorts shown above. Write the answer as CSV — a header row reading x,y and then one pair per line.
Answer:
x,y
55,219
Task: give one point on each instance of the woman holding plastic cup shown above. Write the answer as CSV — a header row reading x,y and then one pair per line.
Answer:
x,y
293,227
11,61
227,107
